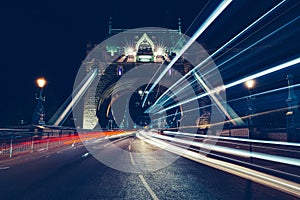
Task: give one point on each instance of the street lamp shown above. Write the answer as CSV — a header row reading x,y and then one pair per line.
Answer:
x,y
39,112
250,85
41,82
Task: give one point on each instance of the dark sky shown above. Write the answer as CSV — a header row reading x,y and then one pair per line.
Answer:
x,y
48,38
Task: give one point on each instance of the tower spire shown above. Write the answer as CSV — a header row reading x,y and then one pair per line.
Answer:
x,y
109,25
179,25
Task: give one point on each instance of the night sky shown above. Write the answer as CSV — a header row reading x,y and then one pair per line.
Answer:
x,y
48,38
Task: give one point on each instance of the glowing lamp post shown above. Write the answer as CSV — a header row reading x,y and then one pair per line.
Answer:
x,y
250,85
39,112
41,82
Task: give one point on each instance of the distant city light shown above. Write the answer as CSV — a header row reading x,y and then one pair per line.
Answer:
x,y
41,82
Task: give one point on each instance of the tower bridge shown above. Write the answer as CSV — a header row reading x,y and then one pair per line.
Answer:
x,y
137,47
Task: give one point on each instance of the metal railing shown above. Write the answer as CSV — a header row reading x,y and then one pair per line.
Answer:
x,y
13,144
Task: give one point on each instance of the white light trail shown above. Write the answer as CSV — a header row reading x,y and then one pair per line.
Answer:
x,y
265,72
220,106
77,97
265,92
233,100
232,151
261,142
247,173
254,76
201,29
252,45
215,53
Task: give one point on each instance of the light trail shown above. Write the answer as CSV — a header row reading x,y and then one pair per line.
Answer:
x,y
254,76
265,72
267,36
266,92
255,43
220,106
201,29
250,174
230,101
233,151
246,50
239,161
227,121
176,45
215,53
262,142
92,75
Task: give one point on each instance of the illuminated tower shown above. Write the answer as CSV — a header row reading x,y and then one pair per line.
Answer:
x,y
145,48
141,46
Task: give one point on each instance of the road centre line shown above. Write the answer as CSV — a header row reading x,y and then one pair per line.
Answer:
x,y
153,195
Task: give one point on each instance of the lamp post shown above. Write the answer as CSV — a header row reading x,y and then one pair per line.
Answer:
x,y
250,85
39,112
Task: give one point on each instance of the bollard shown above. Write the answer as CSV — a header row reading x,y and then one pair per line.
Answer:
x,y
32,140
11,147
47,147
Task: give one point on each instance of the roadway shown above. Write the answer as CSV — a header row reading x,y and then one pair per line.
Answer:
x,y
73,173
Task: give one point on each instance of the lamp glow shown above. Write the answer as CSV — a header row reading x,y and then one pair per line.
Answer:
x,y
129,50
41,82
160,51
250,84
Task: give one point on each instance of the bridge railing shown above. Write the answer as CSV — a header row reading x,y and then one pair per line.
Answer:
x,y
17,143
14,144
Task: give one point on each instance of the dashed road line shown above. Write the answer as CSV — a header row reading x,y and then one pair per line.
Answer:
x,y
153,195
4,168
85,155
130,154
131,159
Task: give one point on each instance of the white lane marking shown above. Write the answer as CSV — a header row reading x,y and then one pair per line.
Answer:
x,y
68,148
129,147
132,140
85,155
4,168
47,156
43,149
109,143
73,144
153,195
131,159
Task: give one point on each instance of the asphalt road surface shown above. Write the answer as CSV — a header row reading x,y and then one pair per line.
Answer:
x,y
74,173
